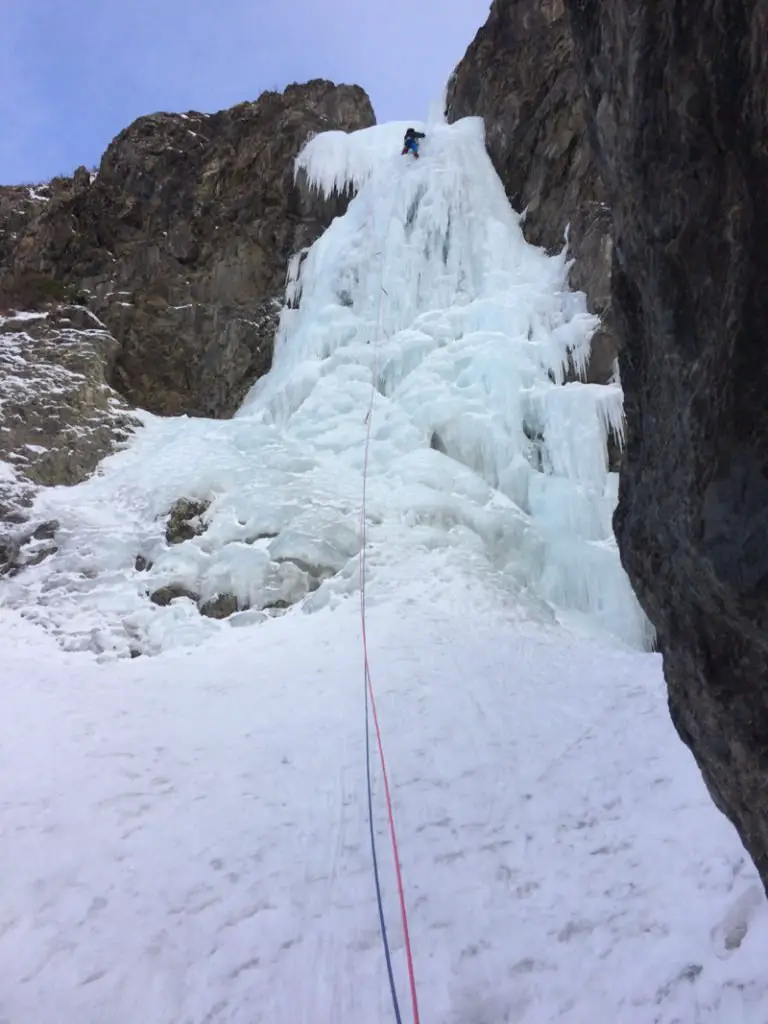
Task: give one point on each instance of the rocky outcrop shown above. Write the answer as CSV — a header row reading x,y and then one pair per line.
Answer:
x,y
678,97
20,207
286,582
182,238
519,75
185,520
59,416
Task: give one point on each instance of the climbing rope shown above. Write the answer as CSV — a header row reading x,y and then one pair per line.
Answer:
x,y
371,712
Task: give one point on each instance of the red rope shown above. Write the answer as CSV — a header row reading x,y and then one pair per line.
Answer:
x,y
369,685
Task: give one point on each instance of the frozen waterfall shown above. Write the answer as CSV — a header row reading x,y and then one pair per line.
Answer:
x,y
487,456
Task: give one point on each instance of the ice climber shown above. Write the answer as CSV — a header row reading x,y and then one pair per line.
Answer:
x,y
411,142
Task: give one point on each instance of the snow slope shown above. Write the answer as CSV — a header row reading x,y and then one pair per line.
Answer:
x,y
185,837
427,291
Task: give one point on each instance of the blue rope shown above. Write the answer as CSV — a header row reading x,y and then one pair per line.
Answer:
x,y
382,923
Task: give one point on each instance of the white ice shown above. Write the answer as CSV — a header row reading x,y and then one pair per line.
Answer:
x,y
483,442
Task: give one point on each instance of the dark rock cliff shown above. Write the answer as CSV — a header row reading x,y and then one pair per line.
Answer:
x,y
181,240
678,98
519,75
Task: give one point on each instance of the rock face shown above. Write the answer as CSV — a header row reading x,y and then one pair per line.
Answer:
x,y
519,75
59,416
678,96
185,520
182,239
19,204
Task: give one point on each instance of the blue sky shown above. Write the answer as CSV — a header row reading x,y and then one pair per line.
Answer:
x,y
75,72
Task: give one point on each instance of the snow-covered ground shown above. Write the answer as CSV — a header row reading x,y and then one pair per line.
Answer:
x,y
184,834
185,837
